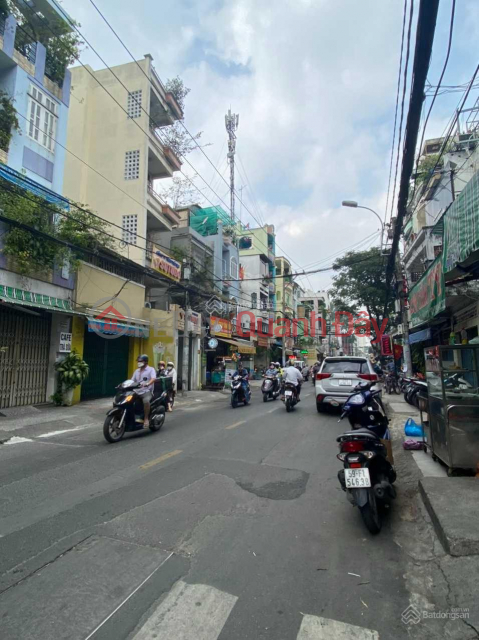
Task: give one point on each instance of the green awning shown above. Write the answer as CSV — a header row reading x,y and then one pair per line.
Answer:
x,y
31,299
408,228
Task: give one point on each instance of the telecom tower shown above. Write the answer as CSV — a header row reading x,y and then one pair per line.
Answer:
x,y
231,123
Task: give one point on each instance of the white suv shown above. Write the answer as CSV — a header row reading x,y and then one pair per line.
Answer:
x,y
337,378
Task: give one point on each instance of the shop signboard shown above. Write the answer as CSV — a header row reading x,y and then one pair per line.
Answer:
x,y
262,341
230,370
386,345
220,327
427,297
164,264
194,322
65,342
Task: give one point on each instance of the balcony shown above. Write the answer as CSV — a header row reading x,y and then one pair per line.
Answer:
x,y
164,109
420,244
161,216
162,161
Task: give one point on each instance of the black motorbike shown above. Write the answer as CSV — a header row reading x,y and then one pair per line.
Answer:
x,y
368,475
391,383
127,414
290,396
270,387
240,391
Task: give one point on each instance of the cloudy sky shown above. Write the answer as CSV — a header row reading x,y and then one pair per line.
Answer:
x,y
314,83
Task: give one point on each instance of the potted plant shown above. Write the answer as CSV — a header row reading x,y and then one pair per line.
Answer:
x,y
72,371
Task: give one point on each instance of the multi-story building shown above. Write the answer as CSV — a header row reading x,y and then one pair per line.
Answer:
x,y
422,239
257,273
118,133
36,302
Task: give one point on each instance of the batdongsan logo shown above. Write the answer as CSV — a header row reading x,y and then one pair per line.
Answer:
x,y
215,305
345,324
411,615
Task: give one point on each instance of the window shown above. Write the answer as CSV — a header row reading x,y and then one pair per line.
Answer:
x,y
130,227
345,366
234,269
42,118
132,165
245,243
223,268
134,104
254,300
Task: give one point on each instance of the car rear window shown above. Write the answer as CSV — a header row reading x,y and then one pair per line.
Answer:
x,y
345,366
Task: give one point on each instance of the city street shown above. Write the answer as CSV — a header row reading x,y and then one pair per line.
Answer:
x,y
226,524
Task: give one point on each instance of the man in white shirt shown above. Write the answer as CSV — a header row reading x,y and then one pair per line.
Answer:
x,y
293,376
145,376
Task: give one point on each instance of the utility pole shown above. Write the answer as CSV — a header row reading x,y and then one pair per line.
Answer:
x,y
231,123
400,279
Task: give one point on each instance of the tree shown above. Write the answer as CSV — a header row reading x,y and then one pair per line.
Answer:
x,y
181,192
361,283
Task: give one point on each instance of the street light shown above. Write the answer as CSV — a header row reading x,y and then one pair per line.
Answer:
x,y
355,205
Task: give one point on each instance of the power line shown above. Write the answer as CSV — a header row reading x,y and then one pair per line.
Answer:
x,y
406,64
397,105
448,52
181,122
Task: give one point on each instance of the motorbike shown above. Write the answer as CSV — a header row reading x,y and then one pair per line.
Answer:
x,y
290,396
127,414
391,384
270,388
239,392
368,475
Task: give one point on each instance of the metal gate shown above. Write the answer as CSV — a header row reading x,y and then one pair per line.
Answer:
x,y
24,352
108,362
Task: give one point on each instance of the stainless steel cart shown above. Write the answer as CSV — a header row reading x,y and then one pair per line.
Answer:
x,y
452,431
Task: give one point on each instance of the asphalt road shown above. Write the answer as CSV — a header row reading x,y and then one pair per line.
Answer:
x,y
226,524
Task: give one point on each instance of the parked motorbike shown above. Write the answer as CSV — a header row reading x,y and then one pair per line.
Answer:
x,y
367,476
290,396
391,384
239,392
127,414
270,388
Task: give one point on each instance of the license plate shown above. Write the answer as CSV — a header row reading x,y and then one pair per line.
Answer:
x,y
357,478
345,383
288,393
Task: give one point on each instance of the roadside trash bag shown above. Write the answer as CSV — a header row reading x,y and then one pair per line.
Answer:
x,y
412,444
411,428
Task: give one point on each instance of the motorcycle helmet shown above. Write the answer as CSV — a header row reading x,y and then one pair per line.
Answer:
x,y
143,358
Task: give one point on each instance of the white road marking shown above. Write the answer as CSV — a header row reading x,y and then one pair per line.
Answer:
x,y
17,440
317,628
52,434
276,409
127,598
236,424
189,612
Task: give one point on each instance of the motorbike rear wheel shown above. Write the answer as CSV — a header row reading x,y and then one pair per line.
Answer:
x,y
288,405
265,397
111,430
370,514
158,420
234,402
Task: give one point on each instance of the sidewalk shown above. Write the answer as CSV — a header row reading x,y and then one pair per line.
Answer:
x,y
440,521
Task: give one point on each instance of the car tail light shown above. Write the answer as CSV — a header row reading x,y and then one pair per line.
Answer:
x,y
368,376
351,446
319,398
355,465
322,376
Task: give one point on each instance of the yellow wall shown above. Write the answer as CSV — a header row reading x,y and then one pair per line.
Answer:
x,y
93,284
78,335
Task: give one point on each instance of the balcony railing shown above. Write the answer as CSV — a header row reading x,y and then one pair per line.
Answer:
x,y
3,20
25,44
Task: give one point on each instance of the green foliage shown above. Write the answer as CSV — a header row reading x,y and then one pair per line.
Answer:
x,y
177,87
57,398
60,40
31,251
72,371
426,166
361,283
8,120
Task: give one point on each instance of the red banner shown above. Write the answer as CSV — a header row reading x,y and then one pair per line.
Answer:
x,y
386,346
397,351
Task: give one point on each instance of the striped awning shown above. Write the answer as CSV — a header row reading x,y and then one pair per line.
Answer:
x,y
32,299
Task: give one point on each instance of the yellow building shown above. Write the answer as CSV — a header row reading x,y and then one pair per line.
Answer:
x,y
120,141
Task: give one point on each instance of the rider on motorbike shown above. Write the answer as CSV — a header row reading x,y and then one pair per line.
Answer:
x,y
243,373
273,372
293,376
145,376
